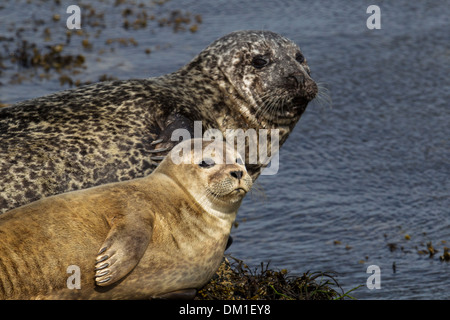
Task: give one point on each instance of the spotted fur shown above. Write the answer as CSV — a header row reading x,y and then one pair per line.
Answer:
x,y
120,130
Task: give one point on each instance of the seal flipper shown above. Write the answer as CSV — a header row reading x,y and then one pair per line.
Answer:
x,y
164,143
124,246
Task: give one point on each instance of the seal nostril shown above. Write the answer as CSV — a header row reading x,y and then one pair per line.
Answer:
x,y
236,174
297,79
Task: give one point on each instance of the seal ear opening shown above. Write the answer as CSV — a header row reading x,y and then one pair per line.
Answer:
x,y
206,64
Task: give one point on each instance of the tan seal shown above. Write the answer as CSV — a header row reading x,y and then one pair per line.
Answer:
x,y
149,237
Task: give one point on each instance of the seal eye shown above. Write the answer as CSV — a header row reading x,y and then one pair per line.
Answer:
x,y
207,163
300,58
259,62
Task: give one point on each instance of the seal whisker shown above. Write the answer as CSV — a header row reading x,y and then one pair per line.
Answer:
x,y
271,107
257,192
263,99
323,97
265,104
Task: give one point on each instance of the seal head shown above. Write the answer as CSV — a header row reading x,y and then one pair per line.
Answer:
x,y
265,74
218,174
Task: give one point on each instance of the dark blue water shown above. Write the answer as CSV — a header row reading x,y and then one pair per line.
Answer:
x,y
369,169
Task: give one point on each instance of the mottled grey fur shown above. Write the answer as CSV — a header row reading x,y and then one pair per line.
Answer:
x,y
119,130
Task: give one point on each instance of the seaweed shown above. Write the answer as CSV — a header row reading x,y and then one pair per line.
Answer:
x,y
237,281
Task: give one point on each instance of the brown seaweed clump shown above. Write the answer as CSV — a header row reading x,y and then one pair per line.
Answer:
x,y
446,255
236,281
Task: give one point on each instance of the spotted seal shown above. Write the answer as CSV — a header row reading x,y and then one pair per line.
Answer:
x,y
158,236
120,130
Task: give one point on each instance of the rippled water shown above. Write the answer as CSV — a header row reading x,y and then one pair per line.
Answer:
x,y
370,169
